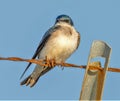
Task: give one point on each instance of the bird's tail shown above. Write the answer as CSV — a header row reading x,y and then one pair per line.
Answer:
x,y
36,74
30,81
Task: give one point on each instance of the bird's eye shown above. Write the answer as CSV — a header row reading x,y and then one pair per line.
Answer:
x,y
57,20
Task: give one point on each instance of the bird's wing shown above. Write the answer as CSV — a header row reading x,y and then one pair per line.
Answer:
x,y
41,45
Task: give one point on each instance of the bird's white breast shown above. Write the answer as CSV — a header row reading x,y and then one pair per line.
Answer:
x,y
60,46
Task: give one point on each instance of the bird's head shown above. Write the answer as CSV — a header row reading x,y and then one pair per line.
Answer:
x,y
65,19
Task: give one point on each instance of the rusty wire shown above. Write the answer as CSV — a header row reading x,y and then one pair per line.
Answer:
x,y
42,63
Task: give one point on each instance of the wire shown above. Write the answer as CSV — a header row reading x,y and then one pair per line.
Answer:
x,y
51,63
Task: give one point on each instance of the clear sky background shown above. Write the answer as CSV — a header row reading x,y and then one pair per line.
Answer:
x,y
24,22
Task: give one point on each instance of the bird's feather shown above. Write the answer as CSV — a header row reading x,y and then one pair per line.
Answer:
x,y
41,45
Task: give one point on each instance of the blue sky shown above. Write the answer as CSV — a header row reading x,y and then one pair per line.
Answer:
x,y
24,22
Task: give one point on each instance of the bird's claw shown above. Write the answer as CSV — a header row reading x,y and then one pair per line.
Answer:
x,y
50,62
62,65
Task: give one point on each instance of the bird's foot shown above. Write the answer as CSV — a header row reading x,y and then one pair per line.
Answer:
x,y
50,62
62,65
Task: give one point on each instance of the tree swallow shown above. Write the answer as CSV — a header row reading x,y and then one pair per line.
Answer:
x,y
58,43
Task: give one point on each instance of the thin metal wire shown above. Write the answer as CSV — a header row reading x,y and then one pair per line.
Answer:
x,y
41,62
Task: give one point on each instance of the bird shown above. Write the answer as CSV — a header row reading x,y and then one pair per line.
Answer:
x,y
58,43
